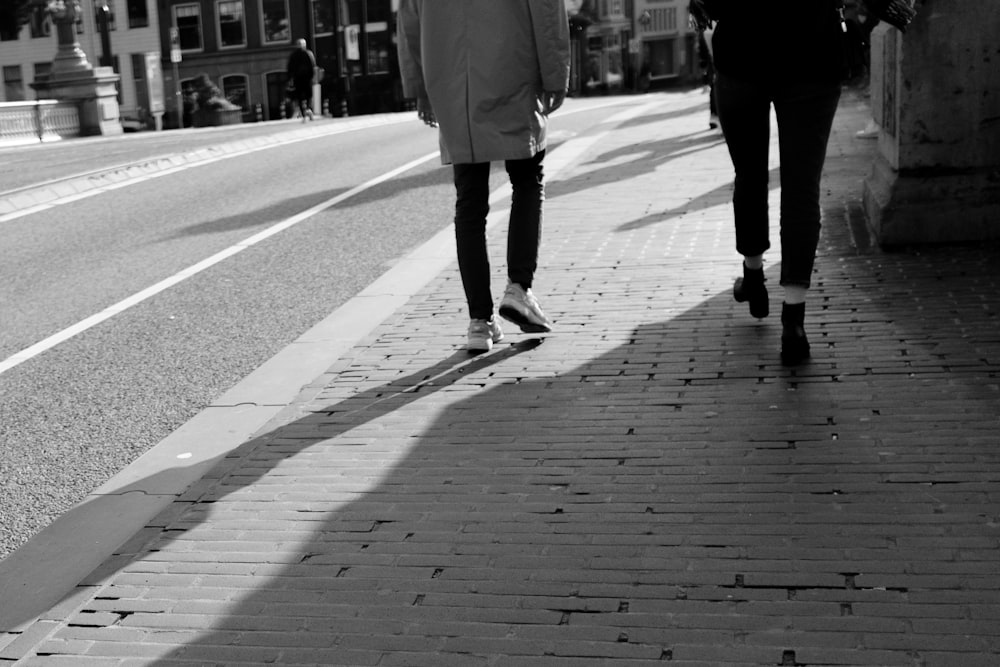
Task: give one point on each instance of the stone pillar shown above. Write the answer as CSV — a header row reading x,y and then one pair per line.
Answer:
x,y
936,96
74,79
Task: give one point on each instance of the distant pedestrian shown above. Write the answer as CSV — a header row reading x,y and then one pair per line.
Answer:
x,y
707,63
301,70
490,73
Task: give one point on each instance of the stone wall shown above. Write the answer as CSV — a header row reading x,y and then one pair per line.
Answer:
x,y
936,96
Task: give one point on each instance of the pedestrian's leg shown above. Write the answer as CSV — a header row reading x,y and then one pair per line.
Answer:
x,y
472,187
805,116
527,181
519,304
745,112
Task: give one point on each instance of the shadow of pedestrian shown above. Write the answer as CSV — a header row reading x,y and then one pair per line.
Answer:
x,y
719,196
641,159
677,495
283,209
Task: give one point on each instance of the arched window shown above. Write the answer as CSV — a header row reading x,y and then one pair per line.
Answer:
x,y
236,88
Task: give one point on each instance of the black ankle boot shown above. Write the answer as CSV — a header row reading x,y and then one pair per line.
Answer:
x,y
751,288
794,346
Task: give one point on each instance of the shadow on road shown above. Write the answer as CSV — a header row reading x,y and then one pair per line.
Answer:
x,y
677,494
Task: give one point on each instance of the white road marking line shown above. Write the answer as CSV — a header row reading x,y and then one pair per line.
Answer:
x,y
100,189
569,151
139,297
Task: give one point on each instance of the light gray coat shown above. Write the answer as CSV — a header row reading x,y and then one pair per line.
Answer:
x,y
484,65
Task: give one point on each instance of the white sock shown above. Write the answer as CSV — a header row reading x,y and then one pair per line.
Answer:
x,y
794,294
753,262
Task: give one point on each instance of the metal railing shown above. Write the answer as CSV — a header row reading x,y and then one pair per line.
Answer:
x,y
38,120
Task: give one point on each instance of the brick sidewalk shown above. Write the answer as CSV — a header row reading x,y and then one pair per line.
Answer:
x,y
647,485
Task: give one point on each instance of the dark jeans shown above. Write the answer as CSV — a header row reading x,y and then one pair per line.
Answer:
x,y
805,114
472,184
303,95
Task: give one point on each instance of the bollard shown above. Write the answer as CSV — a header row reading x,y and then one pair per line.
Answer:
x,y
326,107
282,111
343,108
260,113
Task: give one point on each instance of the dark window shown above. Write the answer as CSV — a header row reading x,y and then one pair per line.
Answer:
x,y
13,84
40,23
9,34
187,18
231,31
379,11
42,70
234,87
276,21
139,82
138,14
322,17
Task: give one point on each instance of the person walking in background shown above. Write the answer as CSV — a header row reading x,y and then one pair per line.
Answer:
x,y
707,64
488,74
301,70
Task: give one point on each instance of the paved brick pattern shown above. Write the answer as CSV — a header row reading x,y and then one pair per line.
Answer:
x,y
645,486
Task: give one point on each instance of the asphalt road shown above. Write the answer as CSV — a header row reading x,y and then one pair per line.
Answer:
x,y
77,413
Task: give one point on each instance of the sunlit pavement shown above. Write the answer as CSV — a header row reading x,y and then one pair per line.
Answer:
x,y
645,485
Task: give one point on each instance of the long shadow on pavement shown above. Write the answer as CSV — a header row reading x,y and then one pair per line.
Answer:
x,y
679,497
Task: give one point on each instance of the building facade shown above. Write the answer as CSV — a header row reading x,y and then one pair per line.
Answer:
x,y
600,32
243,46
665,46
627,45
133,30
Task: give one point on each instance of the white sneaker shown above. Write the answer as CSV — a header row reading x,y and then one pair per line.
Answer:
x,y
483,334
521,307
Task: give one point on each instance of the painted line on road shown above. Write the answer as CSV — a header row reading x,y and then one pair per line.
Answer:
x,y
137,298
116,511
197,158
171,164
568,152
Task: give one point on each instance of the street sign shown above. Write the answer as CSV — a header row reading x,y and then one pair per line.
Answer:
x,y
352,43
154,83
175,45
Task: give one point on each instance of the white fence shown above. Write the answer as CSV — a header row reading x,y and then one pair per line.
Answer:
x,y
39,120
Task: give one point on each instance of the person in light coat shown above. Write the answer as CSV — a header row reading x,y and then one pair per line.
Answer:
x,y
488,73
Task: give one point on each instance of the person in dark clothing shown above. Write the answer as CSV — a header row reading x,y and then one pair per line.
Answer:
x,y
789,57
301,71
795,67
708,73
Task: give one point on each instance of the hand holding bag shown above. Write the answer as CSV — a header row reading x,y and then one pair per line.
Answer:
x,y
897,13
